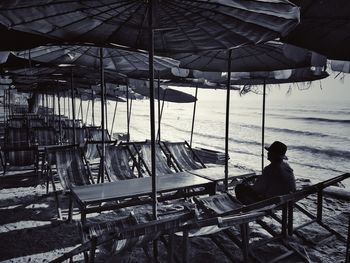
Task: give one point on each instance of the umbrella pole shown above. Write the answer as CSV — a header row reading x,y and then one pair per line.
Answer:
x,y
42,103
102,168
4,106
87,112
73,106
47,107
59,117
127,114
159,116
152,119
227,116
53,104
81,108
93,107
129,120
115,113
106,116
263,126
161,113
193,116
64,105
68,107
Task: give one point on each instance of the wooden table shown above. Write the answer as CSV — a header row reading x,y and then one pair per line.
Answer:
x,y
217,173
138,191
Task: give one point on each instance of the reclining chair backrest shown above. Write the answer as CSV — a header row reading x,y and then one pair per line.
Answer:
x,y
117,163
45,136
17,137
95,134
70,167
162,166
91,151
34,123
17,123
225,204
184,159
23,156
80,135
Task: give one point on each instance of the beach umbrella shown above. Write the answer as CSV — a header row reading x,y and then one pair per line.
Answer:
x,y
114,59
82,74
278,77
324,27
161,26
179,25
10,39
268,56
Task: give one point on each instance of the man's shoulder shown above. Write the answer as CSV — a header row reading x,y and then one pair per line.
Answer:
x,y
286,166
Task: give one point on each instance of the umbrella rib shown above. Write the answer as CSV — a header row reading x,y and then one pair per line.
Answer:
x,y
84,18
223,14
65,13
206,18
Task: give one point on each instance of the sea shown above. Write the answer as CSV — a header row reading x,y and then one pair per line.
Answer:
x,y
316,132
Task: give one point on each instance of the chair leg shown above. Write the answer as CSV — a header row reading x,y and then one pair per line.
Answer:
x,y
93,249
70,209
155,250
171,248
285,220
245,241
185,247
55,194
290,218
319,205
347,258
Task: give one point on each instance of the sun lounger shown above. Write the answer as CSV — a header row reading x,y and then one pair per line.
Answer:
x,y
35,123
20,158
162,164
117,163
95,134
17,122
80,135
70,168
125,233
183,156
187,160
318,188
45,136
227,205
17,137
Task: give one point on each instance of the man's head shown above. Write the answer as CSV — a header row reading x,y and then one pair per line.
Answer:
x,y
276,151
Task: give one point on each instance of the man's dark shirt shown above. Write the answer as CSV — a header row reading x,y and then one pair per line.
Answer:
x,y
276,179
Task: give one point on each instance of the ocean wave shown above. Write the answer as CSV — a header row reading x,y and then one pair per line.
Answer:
x,y
213,136
313,119
307,133
321,119
327,152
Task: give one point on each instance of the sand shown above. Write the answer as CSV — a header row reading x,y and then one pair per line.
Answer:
x,y
31,232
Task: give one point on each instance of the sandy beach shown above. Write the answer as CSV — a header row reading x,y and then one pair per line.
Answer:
x,y
31,232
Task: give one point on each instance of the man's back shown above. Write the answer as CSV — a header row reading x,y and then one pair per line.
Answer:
x,y
277,179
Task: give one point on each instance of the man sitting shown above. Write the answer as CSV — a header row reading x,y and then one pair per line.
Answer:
x,y
276,179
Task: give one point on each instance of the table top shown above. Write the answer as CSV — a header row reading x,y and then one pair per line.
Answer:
x,y
136,187
217,173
